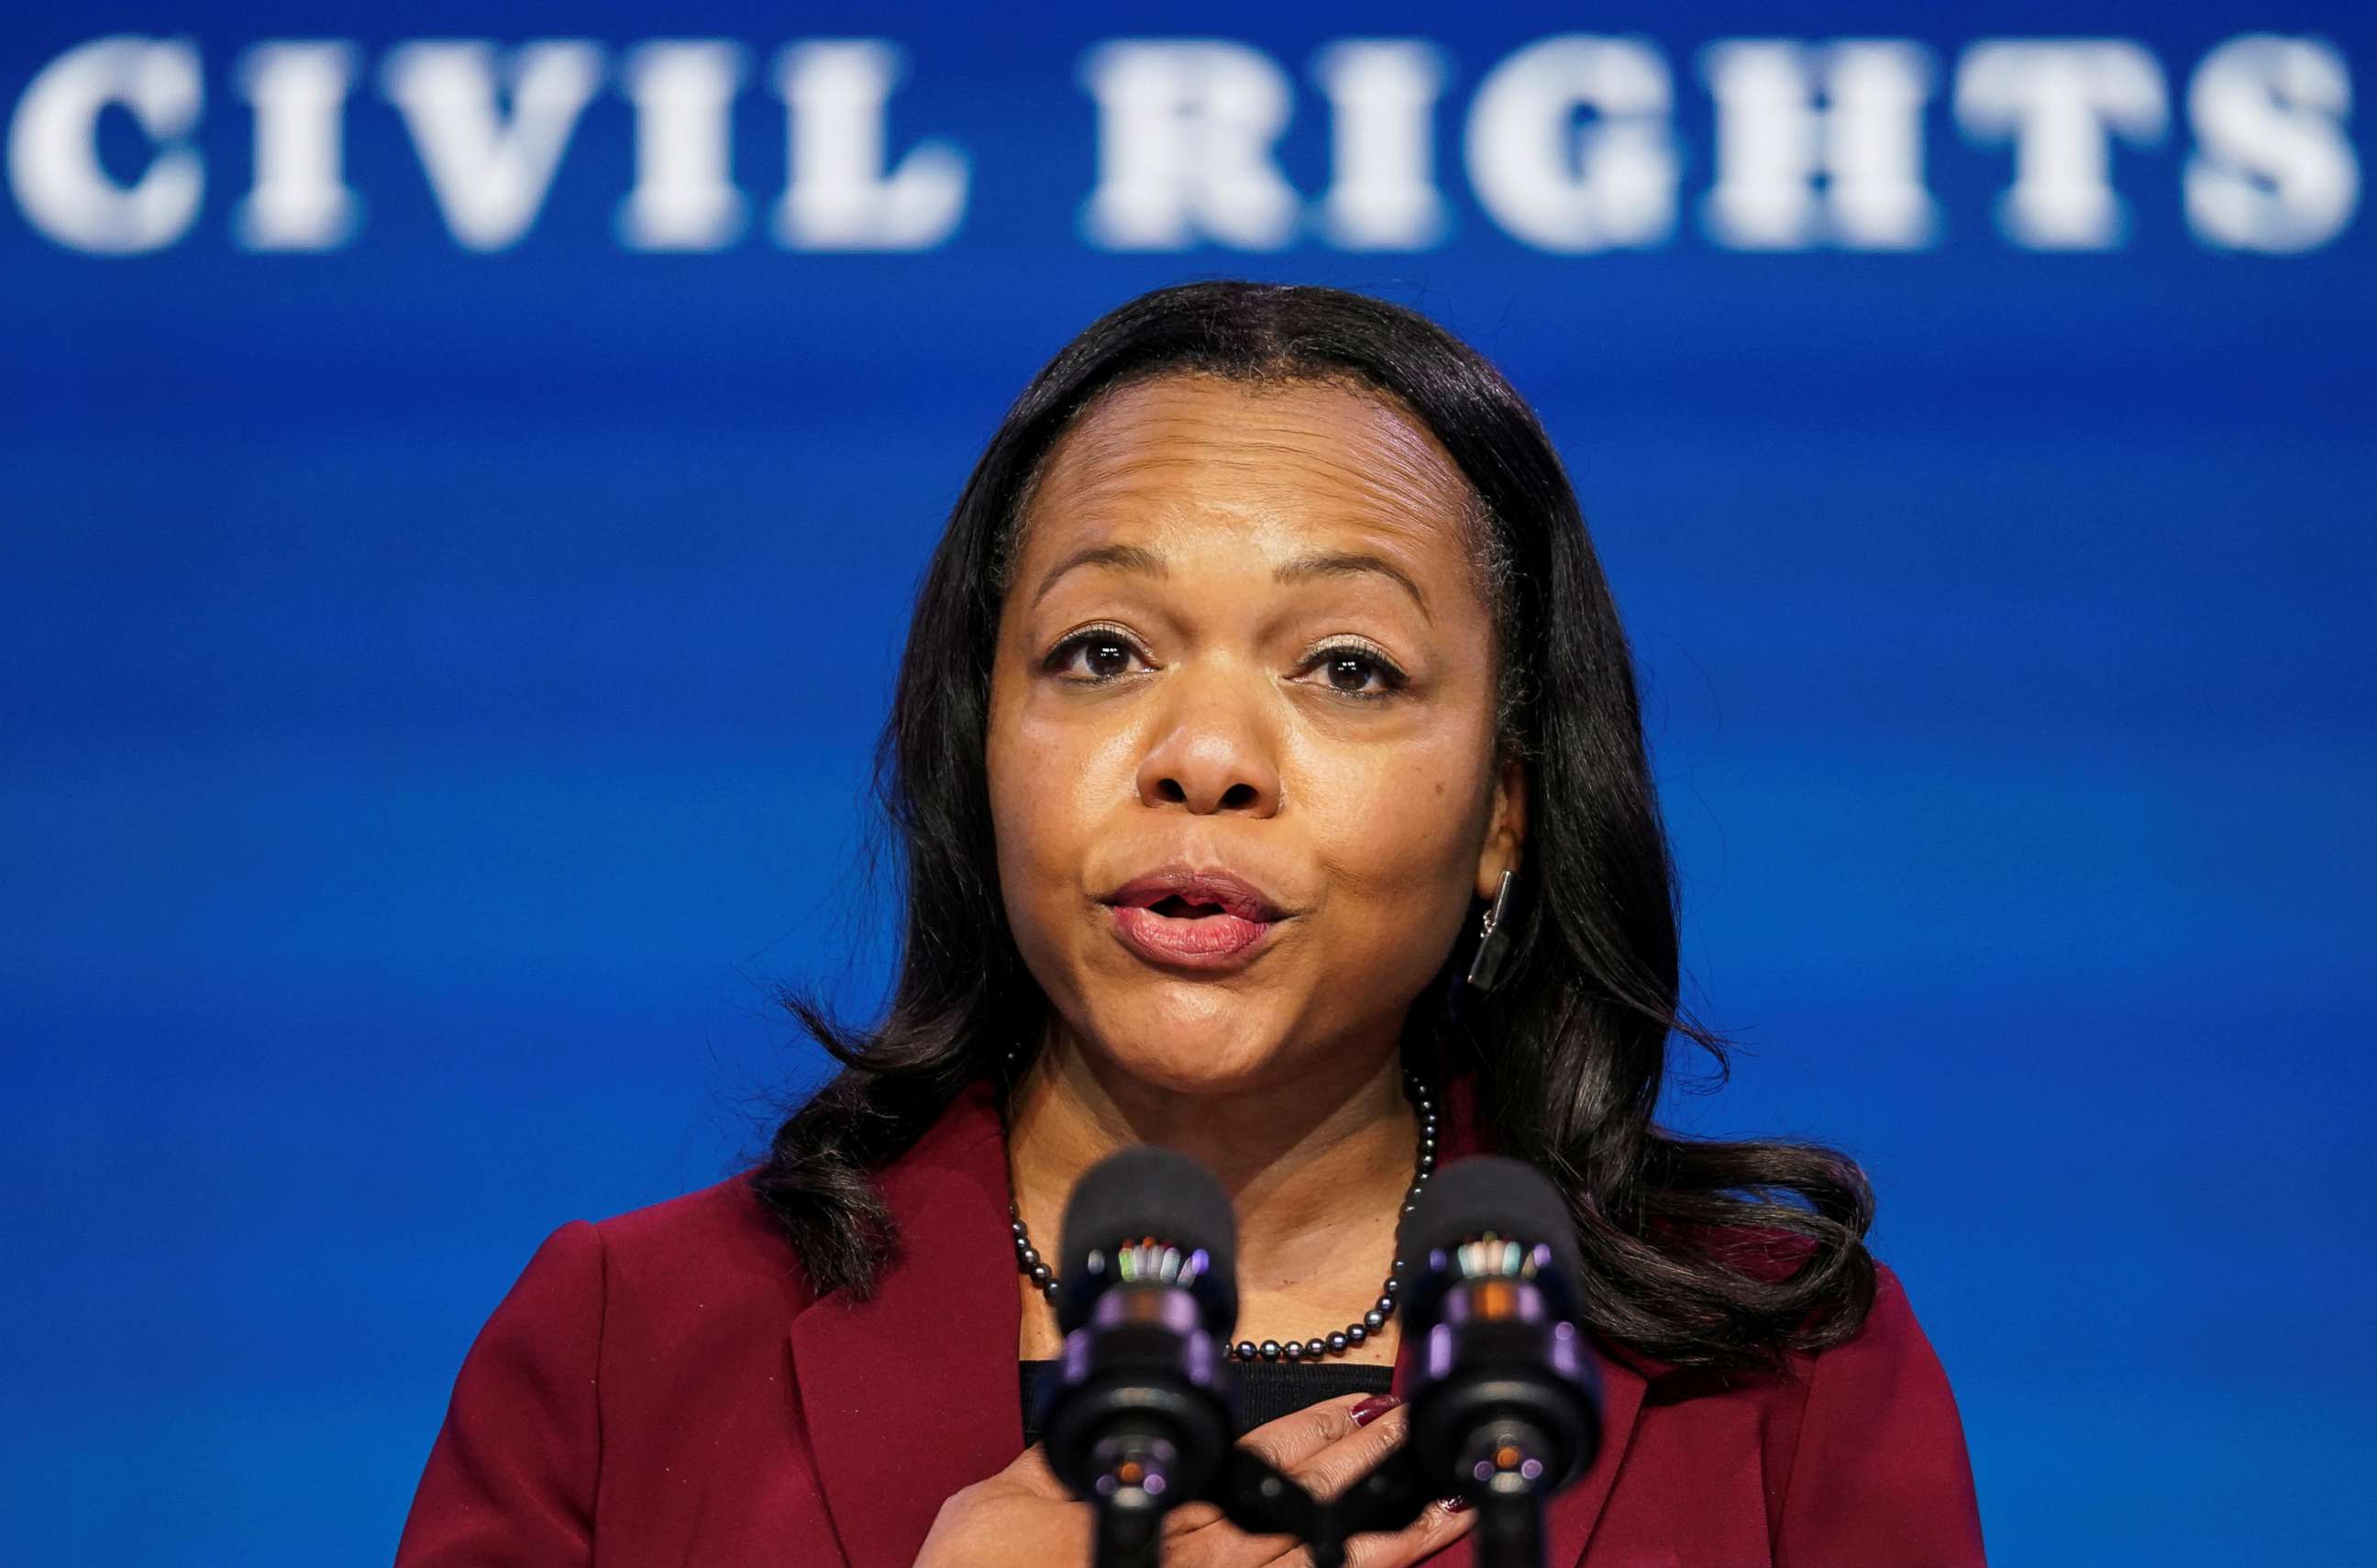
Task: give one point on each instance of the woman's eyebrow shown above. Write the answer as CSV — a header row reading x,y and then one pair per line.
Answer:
x,y
1344,563
1146,562
1123,557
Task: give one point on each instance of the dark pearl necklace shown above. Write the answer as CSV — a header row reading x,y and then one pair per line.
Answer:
x,y
1032,1266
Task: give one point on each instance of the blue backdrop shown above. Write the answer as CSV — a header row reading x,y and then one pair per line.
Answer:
x,y
457,516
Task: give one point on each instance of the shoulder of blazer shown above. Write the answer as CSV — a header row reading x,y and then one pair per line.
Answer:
x,y
717,1242
722,1240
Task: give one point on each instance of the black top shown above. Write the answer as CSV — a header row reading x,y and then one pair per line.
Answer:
x,y
1266,1390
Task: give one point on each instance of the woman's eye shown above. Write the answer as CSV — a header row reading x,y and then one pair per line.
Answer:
x,y
1096,656
1356,672
1099,656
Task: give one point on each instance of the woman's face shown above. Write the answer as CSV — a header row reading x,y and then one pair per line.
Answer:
x,y
1242,757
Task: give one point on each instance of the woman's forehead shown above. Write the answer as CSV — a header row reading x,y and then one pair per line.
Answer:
x,y
1183,449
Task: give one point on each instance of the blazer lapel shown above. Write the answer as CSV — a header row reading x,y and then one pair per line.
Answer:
x,y
912,1394
1571,1517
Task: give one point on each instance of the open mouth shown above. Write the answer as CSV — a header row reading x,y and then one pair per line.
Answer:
x,y
1178,908
1178,930
1193,918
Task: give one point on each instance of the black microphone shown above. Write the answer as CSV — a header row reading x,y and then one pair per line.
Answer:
x,y
1505,1405
1137,1419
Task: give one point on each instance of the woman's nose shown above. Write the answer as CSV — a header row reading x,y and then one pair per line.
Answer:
x,y
1214,753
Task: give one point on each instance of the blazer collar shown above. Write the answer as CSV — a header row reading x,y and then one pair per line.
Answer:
x,y
912,1394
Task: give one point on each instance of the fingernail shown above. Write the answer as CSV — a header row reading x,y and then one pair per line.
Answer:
x,y
1373,1408
1456,1504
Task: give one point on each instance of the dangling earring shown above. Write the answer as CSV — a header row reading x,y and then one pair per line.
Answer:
x,y
1493,939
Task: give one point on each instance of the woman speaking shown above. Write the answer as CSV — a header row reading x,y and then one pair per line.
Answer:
x,y
1268,771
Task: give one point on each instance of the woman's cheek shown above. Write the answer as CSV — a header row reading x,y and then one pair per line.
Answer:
x,y
1021,828
1055,782
1403,846
1388,814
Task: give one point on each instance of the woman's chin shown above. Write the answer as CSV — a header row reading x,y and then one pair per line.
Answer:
x,y
1186,1065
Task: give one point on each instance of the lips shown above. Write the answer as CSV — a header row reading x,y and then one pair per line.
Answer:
x,y
1198,919
1219,891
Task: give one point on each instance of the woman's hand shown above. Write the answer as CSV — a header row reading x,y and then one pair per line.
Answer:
x,y
1022,1517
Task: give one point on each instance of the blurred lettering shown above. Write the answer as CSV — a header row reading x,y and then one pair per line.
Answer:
x,y
54,164
1563,184
1383,192
299,199
2273,170
1573,144
1773,144
490,170
840,198
2061,100
684,197
1184,150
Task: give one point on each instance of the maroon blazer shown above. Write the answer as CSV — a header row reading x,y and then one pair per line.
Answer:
x,y
664,1388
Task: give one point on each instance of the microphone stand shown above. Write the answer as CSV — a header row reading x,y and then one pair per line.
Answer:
x,y
1261,1501
1129,1507
1511,1532
1513,1465
1509,1494
1127,1536
1133,1471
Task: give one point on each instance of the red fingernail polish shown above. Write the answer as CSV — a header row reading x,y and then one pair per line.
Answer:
x,y
1373,1408
1455,1504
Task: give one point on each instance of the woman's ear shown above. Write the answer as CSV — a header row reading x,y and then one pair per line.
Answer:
x,y
1506,829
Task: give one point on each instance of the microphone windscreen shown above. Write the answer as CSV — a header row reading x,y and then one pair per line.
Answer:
x,y
1148,1192
1485,1193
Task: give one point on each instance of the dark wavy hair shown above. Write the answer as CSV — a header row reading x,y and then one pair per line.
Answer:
x,y
1701,1253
